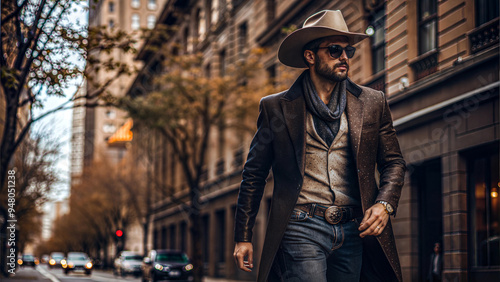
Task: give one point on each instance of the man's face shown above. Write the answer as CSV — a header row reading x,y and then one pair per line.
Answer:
x,y
328,67
437,248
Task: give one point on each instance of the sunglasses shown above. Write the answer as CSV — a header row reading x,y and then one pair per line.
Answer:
x,y
337,50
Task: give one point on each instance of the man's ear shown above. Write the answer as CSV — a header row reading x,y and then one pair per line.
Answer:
x,y
309,56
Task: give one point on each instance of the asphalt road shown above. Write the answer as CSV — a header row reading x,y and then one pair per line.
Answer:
x,y
42,273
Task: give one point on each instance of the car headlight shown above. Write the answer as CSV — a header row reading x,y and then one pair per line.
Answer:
x,y
161,267
188,267
20,261
52,262
88,265
71,265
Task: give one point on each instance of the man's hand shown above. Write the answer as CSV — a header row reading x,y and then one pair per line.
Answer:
x,y
242,250
374,221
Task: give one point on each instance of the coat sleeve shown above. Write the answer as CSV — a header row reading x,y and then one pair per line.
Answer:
x,y
255,173
390,162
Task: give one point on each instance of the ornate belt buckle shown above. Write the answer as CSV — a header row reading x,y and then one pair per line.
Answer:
x,y
333,215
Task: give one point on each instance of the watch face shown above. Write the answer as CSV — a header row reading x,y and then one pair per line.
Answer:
x,y
389,208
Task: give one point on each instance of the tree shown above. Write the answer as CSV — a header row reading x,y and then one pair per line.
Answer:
x,y
42,53
185,110
30,188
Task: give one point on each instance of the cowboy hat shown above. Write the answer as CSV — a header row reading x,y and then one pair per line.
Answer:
x,y
322,24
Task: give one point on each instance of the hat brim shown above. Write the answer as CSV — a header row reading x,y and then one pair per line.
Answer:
x,y
290,50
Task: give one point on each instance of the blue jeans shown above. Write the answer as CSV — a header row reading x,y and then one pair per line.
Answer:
x,y
314,250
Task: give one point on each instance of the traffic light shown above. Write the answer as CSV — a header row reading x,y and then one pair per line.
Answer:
x,y
119,233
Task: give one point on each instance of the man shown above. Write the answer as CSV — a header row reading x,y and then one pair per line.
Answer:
x,y
436,264
323,139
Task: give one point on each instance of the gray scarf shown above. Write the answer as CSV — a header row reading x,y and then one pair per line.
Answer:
x,y
326,118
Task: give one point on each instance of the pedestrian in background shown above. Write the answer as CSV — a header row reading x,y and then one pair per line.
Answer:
x,y
323,138
436,265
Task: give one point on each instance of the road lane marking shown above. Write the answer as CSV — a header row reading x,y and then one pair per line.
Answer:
x,y
48,274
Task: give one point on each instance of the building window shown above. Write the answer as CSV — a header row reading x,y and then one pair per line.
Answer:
x,y
135,22
271,74
242,39
222,63
186,39
111,24
183,237
205,221
151,21
271,10
208,70
151,4
221,235
427,26
111,7
173,231
215,11
376,30
111,114
484,211
136,3
109,128
201,25
486,10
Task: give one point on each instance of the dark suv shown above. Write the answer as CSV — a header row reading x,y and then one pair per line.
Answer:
x,y
167,265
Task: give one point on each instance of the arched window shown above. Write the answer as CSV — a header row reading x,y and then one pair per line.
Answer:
x,y
151,21
135,25
202,25
151,4
215,11
136,3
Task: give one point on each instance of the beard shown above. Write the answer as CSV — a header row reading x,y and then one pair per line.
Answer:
x,y
328,73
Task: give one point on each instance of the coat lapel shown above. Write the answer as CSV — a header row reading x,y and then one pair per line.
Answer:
x,y
294,113
355,117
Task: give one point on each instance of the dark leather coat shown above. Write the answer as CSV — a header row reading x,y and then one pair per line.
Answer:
x,y
279,143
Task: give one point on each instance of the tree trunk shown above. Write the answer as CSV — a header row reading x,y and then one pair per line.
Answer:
x,y
7,148
195,217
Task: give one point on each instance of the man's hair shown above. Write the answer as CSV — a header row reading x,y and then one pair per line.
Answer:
x,y
313,46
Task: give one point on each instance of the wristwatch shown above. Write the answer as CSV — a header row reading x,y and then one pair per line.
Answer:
x,y
388,208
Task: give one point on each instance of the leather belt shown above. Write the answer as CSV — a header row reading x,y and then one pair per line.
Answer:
x,y
332,214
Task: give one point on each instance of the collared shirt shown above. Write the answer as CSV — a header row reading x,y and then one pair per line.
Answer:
x,y
330,174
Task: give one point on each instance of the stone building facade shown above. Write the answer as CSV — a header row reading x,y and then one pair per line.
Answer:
x,y
100,123
437,61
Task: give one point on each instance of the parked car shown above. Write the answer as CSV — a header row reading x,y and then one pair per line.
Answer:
x,y
128,263
27,260
166,265
77,261
55,259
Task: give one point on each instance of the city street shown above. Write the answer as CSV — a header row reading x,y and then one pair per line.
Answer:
x,y
42,273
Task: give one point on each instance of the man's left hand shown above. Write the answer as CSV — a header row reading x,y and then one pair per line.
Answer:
x,y
374,221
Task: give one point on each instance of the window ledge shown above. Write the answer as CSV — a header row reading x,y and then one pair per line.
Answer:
x,y
377,81
425,64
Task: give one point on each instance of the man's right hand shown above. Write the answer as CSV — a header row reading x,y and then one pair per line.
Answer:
x,y
242,250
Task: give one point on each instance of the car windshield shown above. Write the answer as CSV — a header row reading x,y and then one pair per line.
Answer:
x,y
25,257
166,257
137,257
57,257
77,257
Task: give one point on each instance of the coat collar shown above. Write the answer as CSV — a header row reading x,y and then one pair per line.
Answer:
x,y
294,112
